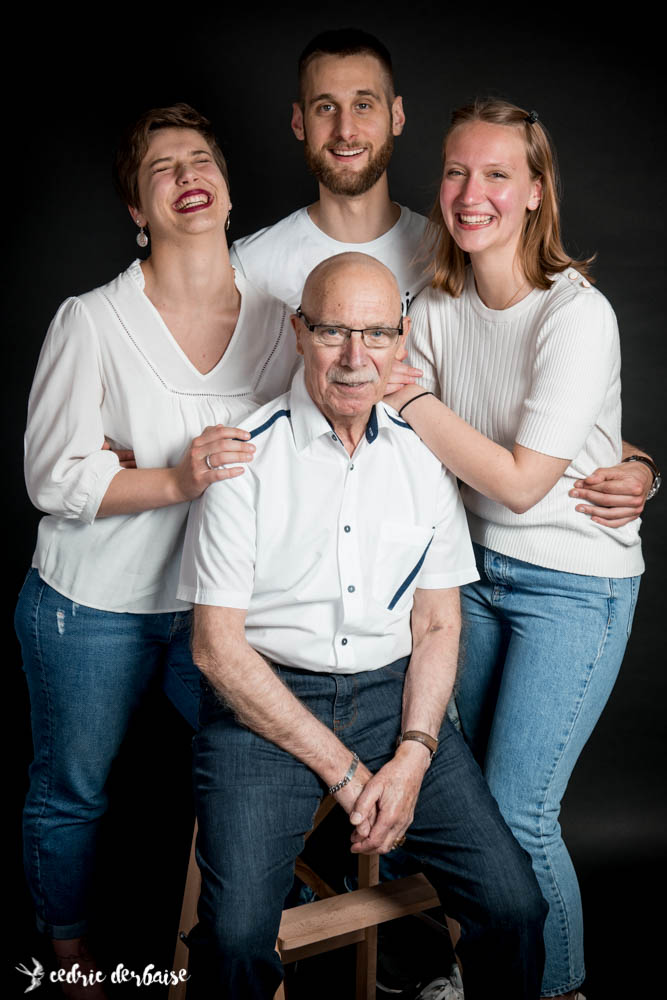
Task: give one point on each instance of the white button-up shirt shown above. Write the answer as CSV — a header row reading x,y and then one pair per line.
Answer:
x,y
325,550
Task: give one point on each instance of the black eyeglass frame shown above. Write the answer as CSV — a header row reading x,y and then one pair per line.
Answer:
x,y
398,330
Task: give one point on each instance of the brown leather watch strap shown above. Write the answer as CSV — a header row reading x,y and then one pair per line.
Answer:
x,y
430,742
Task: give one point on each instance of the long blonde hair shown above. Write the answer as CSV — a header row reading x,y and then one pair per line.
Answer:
x,y
541,250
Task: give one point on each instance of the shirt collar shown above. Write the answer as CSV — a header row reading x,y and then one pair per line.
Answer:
x,y
309,423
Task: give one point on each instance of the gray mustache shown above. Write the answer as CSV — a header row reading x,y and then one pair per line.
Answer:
x,y
352,378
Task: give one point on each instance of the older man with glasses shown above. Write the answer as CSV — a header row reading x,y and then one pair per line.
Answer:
x,y
325,580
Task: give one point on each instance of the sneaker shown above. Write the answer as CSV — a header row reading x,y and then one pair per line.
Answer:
x,y
444,988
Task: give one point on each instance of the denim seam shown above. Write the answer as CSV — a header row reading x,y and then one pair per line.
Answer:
x,y
47,780
545,853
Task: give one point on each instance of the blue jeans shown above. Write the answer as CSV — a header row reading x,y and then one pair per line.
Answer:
x,y
542,650
255,802
87,671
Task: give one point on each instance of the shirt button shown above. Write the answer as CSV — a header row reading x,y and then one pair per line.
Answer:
x,y
351,466
585,283
351,588
347,528
333,437
343,642
572,274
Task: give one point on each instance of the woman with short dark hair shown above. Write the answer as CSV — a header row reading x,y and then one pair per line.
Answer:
x,y
161,362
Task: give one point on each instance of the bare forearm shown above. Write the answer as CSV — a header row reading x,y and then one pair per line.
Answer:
x,y
518,479
263,703
632,449
135,490
430,677
430,680
642,468
204,461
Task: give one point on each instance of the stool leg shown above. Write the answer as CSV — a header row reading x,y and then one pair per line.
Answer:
x,y
454,928
368,875
187,920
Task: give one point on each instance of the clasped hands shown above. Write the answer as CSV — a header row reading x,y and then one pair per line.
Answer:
x,y
381,806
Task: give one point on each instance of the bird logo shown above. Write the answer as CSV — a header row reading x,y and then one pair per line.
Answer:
x,y
36,975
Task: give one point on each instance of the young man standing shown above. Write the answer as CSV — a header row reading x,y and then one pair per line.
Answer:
x,y
347,117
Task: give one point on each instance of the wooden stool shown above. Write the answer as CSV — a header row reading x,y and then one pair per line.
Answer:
x,y
334,920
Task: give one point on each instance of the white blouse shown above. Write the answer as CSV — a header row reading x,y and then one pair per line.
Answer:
x,y
109,366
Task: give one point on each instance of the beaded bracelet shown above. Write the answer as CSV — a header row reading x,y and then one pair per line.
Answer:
x,y
348,777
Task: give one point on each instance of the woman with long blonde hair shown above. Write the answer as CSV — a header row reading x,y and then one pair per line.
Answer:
x,y
521,400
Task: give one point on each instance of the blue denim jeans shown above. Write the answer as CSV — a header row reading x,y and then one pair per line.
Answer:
x,y
542,650
87,671
255,802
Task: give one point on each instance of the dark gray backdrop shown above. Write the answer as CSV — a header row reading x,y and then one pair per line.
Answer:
x,y
594,84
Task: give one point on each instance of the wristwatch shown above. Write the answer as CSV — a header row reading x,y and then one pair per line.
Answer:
x,y
657,478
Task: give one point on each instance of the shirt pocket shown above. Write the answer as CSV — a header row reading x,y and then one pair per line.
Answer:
x,y
401,551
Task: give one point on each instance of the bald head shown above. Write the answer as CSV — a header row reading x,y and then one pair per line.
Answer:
x,y
352,292
341,276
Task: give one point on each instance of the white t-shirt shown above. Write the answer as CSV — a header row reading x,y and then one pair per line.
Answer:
x,y
323,549
280,257
109,365
544,373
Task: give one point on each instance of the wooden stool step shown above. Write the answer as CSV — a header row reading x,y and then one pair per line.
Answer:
x,y
342,919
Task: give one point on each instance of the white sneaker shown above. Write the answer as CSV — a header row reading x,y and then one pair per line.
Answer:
x,y
444,988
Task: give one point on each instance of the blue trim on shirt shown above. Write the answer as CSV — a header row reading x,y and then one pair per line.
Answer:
x,y
408,580
272,419
401,423
372,427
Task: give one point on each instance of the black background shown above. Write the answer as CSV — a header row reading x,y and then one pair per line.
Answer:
x,y
83,74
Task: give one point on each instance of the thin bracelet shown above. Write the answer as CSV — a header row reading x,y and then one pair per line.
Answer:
x,y
348,777
427,393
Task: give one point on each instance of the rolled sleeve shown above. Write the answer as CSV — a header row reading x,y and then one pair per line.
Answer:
x,y
66,471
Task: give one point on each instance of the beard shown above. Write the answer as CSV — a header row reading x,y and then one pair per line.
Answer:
x,y
349,182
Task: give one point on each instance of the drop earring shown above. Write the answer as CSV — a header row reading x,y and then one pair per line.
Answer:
x,y
229,216
142,239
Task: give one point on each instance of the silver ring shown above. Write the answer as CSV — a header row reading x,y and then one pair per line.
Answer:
x,y
213,468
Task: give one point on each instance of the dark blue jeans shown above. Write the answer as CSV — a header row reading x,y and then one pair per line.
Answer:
x,y
255,803
87,671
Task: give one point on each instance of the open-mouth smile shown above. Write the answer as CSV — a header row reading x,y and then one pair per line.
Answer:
x,y
193,201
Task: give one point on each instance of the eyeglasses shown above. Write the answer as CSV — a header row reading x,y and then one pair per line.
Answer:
x,y
373,337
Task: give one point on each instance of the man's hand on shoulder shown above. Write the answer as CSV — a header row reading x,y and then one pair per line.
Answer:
x,y
385,809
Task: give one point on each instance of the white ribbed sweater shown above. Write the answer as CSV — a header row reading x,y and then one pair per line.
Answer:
x,y
544,373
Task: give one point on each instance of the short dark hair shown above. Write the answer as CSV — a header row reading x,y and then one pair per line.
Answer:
x,y
136,138
346,42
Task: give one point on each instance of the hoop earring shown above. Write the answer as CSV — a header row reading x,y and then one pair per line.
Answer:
x,y
142,239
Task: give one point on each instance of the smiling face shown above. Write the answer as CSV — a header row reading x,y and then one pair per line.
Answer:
x,y
348,122
487,188
181,188
357,292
